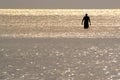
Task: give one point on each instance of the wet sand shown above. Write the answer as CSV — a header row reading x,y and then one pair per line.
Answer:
x,y
59,59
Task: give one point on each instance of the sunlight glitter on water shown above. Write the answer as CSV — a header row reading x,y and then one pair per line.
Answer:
x,y
59,23
59,11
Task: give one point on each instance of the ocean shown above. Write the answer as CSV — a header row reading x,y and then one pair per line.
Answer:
x,y
51,44
57,23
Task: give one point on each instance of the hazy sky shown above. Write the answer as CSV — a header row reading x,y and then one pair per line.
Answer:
x,y
59,4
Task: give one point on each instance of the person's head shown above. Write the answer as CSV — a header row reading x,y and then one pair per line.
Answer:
x,y
86,14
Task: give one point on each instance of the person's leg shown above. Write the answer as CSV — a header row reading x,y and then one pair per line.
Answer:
x,y
86,26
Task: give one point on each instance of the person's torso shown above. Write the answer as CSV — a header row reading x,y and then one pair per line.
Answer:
x,y
86,19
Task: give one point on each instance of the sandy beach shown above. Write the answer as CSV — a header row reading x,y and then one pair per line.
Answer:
x,y
59,58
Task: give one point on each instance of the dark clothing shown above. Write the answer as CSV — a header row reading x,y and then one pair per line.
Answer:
x,y
86,20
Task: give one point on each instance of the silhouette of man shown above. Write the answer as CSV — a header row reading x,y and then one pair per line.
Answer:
x,y
86,21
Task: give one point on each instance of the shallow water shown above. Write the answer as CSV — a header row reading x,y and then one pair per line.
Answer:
x,y
60,59
84,57
59,23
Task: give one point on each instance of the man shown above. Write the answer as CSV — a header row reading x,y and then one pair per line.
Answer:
x,y
86,21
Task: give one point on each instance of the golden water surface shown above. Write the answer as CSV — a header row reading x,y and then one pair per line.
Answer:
x,y
59,23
